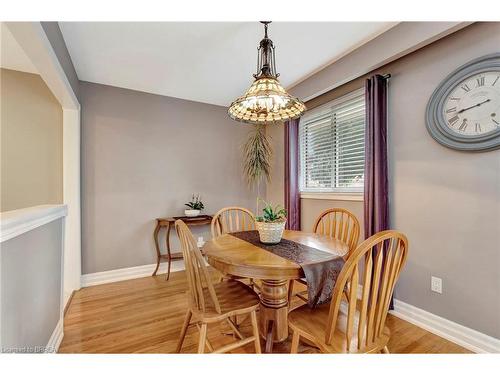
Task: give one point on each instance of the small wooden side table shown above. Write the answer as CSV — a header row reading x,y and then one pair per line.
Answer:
x,y
168,223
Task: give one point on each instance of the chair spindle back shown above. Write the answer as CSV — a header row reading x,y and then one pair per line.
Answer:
x,y
384,255
196,270
340,224
232,219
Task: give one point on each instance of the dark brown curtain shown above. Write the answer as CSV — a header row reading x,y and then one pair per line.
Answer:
x,y
376,177
376,196
292,195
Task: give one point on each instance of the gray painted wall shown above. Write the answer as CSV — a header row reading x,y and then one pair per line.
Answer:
x,y
143,155
58,44
446,201
31,286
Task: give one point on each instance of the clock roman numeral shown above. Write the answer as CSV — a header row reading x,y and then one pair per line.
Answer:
x,y
463,125
480,81
493,84
465,88
452,98
495,121
450,110
453,120
478,127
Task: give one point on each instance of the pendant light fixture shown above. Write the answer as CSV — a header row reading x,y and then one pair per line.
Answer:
x,y
266,101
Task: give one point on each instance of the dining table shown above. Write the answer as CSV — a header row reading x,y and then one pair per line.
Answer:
x,y
232,255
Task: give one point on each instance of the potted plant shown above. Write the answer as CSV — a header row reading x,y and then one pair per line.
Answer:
x,y
271,224
257,153
195,206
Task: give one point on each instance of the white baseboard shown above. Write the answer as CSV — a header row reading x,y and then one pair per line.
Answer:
x,y
121,274
67,296
56,338
468,338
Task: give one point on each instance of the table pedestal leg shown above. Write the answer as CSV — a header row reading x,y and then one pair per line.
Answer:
x,y
273,311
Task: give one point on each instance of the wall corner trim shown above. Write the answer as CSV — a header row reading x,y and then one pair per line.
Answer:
x,y
468,338
37,46
16,222
129,273
56,338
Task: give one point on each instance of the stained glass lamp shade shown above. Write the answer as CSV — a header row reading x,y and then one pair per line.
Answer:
x,y
266,101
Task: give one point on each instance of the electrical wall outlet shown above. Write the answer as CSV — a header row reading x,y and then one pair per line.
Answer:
x,y
201,242
436,284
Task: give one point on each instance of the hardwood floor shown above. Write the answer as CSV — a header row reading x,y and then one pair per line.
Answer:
x,y
145,316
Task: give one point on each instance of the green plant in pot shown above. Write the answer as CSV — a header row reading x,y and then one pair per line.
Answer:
x,y
271,224
257,153
195,206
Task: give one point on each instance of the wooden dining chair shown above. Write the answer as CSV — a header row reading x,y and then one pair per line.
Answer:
x,y
230,220
358,324
340,224
337,223
214,303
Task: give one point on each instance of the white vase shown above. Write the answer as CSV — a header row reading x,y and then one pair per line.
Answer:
x,y
191,213
270,233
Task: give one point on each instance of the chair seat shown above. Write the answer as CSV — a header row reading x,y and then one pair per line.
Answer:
x,y
245,280
235,298
311,323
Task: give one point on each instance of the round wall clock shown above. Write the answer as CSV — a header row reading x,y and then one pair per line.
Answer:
x,y
463,113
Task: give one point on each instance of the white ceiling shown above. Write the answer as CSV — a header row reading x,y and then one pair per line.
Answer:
x,y
12,56
210,62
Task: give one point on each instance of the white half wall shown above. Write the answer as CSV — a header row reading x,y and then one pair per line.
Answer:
x,y
31,308
35,43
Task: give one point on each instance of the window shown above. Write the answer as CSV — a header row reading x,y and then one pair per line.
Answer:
x,y
332,152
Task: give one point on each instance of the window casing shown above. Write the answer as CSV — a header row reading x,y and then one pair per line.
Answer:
x,y
332,138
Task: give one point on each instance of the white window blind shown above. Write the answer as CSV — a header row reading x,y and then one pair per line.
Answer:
x,y
332,138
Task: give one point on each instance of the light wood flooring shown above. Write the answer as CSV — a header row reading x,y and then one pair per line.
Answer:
x,y
145,316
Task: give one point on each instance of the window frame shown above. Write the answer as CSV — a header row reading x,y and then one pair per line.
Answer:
x,y
346,194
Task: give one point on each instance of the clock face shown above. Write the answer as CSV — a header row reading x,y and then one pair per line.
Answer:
x,y
472,108
463,112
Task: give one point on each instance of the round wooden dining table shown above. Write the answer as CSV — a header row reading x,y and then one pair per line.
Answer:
x,y
233,256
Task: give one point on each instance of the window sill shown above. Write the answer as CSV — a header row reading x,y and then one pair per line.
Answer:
x,y
356,197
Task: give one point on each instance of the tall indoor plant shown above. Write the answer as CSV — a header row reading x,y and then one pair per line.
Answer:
x,y
257,153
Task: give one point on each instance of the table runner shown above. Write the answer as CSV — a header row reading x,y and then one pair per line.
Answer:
x,y
321,269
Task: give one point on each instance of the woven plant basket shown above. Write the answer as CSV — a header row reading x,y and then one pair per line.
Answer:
x,y
270,233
